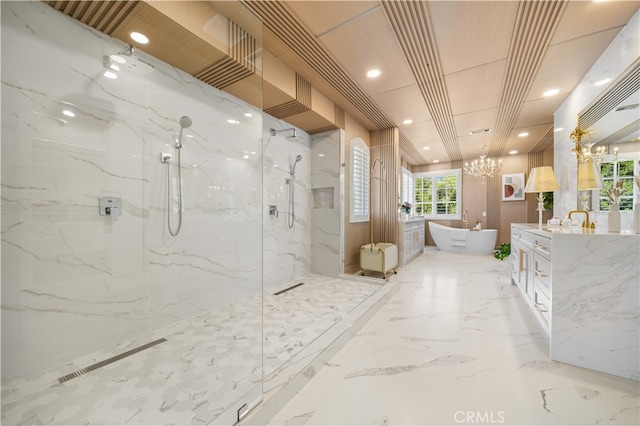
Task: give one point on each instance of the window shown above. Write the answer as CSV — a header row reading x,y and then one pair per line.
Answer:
x,y
360,164
614,171
407,187
438,194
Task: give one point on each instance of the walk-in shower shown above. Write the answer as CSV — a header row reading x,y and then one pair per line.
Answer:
x,y
185,123
291,216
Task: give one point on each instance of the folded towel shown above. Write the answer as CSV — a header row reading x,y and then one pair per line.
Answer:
x,y
455,243
459,235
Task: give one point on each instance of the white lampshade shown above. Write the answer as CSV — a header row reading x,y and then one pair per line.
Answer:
x,y
542,179
589,177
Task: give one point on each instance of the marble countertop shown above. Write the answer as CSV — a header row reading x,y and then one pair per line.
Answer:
x,y
413,219
570,230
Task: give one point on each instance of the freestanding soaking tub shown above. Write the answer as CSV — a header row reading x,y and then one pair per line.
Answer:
x,y
463,240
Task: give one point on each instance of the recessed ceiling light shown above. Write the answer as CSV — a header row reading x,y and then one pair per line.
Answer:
x,y
408,121
373,73
320,155
558,129
513,152
110,74
139,37
245,156
551,92
69,113
426,148
248,114
602,82
232,121
523,134
435,161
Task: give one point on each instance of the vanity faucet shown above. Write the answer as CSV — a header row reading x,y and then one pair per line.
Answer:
x,y
586,223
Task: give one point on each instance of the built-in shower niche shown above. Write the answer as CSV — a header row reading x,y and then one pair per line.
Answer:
x,y
323,198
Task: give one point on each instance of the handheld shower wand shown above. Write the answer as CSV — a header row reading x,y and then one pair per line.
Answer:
x,y
291,217
292,168
185,122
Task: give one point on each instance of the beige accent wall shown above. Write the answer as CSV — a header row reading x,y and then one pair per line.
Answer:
x,y
355,234
511,211
481,196
385,148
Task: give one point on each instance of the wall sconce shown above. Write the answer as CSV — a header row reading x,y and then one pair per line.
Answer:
x,y
541,179
582,151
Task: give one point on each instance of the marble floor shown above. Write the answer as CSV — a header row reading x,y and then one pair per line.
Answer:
x,y
456,345
205,366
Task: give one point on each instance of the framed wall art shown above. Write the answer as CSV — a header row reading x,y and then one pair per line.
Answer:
x,y
513,187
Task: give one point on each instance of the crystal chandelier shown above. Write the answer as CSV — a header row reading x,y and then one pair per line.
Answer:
x,y
484,167
583,152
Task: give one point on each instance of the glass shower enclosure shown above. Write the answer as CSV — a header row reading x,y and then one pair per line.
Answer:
x,y
108,318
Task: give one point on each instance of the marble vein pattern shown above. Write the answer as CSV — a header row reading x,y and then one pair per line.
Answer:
x,y
200,370
618,56
75,282
457,345
292,320
287,251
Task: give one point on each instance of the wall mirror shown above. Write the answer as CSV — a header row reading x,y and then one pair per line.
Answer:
x,y
612,123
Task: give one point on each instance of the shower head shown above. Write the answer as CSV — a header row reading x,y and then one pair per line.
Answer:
x,y
185,123
128,61
292,168
293,137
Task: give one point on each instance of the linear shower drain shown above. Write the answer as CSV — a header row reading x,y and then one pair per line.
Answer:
x,y
287,289
109,360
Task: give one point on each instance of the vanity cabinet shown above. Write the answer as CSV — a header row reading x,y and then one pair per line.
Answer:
x,y
521,261
411,240
531,272
541,274
582,287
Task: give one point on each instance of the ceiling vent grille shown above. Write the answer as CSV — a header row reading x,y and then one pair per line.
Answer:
x,y
104,16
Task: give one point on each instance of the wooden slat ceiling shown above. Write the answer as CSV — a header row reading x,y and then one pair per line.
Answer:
x,y
473,64
451,67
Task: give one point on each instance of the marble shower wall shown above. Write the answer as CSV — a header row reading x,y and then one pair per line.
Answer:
x,y
325,202
74,282
621,53
287,251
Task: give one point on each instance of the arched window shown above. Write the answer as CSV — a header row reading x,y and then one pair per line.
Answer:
x,y
360,165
